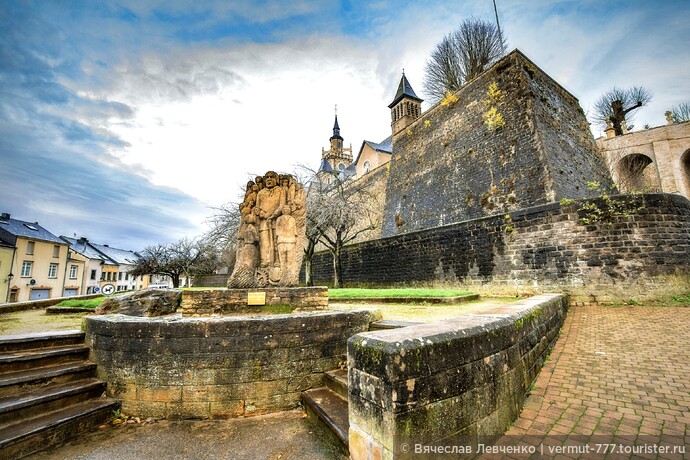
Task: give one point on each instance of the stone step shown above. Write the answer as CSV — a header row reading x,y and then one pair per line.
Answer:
x,y
22,381
46,399
324,406
9,343
11,361
337,381
390,324
54,428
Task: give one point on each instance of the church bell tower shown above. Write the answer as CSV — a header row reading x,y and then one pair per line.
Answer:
x,y
406,106
338,157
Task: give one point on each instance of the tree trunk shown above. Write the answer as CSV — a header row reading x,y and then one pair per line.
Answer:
x,y
176,280
308,277
308,255
337,280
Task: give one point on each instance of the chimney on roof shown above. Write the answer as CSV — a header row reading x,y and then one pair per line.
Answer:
x,y
107,246
82,240
5,216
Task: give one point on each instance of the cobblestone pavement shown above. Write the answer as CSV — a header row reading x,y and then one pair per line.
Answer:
x,y
617,375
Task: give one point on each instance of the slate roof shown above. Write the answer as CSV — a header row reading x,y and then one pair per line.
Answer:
x,y
83,247
119,256
385,145
404,89
14,228
348,172
336,130
326,166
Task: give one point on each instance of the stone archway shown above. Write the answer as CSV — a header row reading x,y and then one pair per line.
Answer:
x,y
685,171
635,174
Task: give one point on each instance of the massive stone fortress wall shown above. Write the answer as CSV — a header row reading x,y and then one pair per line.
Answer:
x,y
458,161
640,254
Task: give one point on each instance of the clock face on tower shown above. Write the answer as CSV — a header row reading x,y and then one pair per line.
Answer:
x,y
341,166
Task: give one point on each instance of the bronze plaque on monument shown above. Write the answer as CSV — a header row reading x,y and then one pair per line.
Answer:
x,y
256,299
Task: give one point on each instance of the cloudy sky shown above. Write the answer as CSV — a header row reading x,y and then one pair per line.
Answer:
x,y
128,121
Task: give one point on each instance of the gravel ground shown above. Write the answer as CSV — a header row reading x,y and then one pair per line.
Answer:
x,y
281,436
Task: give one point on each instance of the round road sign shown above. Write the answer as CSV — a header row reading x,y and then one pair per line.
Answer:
x,y
108,289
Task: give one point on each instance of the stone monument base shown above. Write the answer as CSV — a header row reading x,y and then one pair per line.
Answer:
x,y
245,301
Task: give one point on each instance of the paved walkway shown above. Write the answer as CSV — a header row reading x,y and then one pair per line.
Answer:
x,y
618,375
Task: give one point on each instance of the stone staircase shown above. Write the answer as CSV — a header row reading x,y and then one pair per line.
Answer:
x,y
48,393
327,406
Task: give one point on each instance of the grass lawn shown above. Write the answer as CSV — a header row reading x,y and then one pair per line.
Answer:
x,y
29,321
82,303
425,313
354,293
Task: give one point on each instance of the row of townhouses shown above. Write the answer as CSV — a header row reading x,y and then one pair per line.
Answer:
x,y
35,264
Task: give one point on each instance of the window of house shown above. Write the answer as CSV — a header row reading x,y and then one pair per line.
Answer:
x,y
102,276
26,268
30,247
126,276
93,274
52,270
119,276
56,251
73,272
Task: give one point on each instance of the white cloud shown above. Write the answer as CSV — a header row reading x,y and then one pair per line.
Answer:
x,y
261,107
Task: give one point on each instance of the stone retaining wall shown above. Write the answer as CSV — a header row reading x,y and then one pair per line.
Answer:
x,y
643,253
207,302
211,280
452,383
218,367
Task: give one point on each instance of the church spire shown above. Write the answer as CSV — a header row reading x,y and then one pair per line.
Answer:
x,y
336,127
338,157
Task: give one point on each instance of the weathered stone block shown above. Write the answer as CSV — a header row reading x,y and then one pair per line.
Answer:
x,y
427,383
192,366
236,301
145,302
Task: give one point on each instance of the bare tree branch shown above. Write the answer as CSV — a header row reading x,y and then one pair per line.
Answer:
x,y
681,112
461,56
614,105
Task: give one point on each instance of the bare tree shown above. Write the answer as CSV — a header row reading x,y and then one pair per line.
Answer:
x,y
340,212
615,104
461,56
186,257
681,112
222,235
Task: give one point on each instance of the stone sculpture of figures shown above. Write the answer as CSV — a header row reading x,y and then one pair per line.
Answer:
x,y
271,233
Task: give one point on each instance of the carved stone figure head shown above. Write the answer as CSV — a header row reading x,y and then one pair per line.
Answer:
x,y
271,179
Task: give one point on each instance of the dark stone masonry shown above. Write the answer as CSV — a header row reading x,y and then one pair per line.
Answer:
x,y
640,254
450,165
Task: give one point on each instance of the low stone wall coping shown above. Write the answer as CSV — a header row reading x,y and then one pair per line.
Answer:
x,y
464,378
